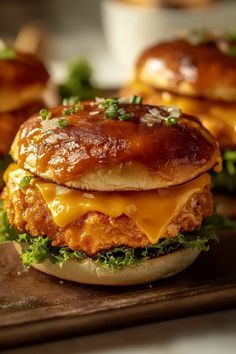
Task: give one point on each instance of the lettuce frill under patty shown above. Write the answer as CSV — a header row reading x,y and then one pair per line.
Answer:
x,y
37,249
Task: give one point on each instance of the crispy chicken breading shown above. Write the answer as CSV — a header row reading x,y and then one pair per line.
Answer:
x,y
94,232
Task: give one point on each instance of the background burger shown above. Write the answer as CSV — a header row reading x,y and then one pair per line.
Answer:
x,y
23,79
198,74
110,191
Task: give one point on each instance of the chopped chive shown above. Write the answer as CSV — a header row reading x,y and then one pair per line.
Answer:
x,y
45,114
136,99
79,106
121,111
7,54
172,121
126,116
71,101
110,113
112,108
68,111
63,123
24,183
108,102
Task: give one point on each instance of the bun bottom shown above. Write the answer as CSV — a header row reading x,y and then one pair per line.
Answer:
x,y
88,272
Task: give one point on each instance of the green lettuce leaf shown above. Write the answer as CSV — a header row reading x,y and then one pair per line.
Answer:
x,y
4,162
79,82
226,179
7,233
37,249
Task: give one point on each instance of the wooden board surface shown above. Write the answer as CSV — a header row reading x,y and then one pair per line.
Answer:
x,y
35,307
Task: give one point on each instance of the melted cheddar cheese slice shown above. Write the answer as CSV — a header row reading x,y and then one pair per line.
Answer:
x,y
152,210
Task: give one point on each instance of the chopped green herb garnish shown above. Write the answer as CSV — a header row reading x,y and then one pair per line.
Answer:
x,y
172,120
63,123
45,114
109,102
68,111
121,111
71,101
110,113
111,107
79,106
7,54
136,99
113,110
126,116
24,183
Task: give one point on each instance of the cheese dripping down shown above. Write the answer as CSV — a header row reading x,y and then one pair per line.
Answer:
x,y
152,210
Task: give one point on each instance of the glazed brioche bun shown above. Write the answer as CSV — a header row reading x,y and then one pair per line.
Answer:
x,y
171,3
197,70
23,79
98,154
88,272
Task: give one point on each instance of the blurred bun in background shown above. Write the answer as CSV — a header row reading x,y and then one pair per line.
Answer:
x,y
23,80
129,28
171,3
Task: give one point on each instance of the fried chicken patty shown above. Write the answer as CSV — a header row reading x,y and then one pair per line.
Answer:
x,y
94,232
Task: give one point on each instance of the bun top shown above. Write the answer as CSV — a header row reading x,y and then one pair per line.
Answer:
x,y
18,70
205,69
112,145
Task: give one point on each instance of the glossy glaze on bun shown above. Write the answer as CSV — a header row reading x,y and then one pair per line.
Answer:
x,y
10,123
95,153
23,70
23,79
199,70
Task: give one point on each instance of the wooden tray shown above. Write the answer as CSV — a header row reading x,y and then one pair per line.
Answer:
x,y
35,307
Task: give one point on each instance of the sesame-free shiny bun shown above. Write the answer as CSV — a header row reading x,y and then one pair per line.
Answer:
x,y
84,149
11,121
199,70
22,70
23,77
